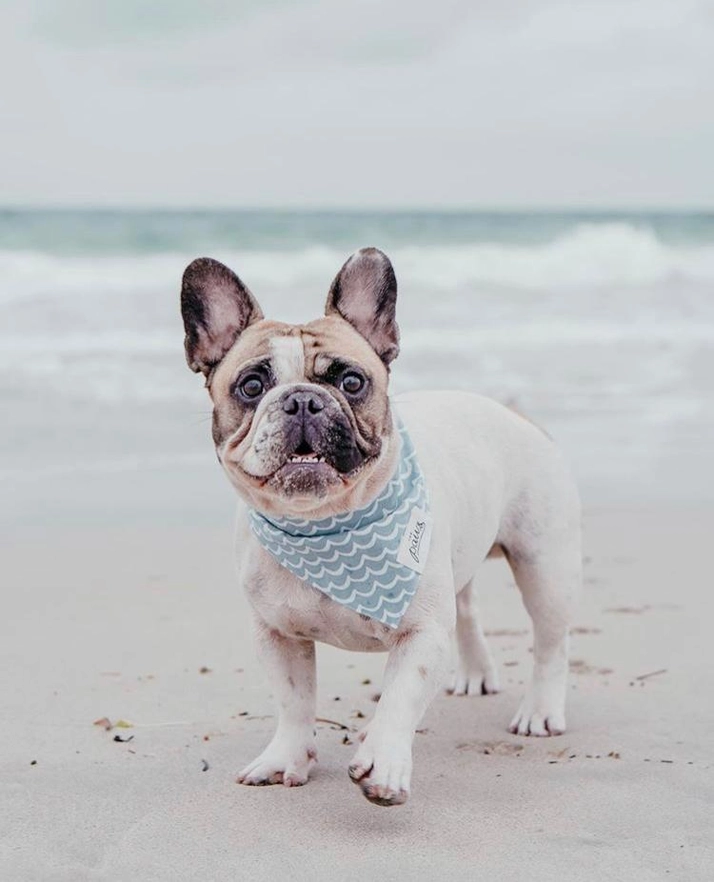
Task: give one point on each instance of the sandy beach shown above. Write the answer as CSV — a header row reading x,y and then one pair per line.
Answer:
x,y
145,624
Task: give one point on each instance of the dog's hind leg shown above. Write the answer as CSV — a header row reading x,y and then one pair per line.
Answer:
x,y
476,673
549,582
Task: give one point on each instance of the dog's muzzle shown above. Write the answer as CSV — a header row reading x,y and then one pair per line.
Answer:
x,y
316,430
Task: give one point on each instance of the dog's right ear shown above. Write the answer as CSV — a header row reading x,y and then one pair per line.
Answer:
x,y
216,308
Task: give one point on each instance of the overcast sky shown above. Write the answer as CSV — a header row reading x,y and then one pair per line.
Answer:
x,y
357,102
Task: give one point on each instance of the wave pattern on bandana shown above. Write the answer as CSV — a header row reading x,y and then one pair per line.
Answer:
x,y
368,560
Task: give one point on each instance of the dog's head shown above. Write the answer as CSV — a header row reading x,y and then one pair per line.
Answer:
x,y
301,418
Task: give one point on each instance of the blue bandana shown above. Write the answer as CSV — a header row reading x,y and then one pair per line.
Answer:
x,y
368,560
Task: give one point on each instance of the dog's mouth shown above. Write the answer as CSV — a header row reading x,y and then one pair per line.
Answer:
x,y
306,465
305,455
313,471
305,472
313,468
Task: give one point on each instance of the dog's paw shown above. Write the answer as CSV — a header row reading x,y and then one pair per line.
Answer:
x,y
383,772
279,764
538,716
475,682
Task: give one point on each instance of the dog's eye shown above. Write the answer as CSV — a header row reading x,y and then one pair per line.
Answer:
x,y
252,387
352,383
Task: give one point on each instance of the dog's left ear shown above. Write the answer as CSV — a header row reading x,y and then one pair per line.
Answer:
x,y
365,294
216,308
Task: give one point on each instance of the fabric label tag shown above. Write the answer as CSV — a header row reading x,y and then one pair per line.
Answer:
x,y
414,547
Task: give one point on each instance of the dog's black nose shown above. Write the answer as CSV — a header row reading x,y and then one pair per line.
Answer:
x,y
302,401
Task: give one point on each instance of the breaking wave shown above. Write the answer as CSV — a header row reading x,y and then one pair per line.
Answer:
x,y
589,255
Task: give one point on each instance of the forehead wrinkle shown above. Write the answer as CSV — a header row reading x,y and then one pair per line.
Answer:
x,y
335,336
325,360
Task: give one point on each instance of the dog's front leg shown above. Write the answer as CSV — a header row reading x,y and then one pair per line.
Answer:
x,y
290,665
415,669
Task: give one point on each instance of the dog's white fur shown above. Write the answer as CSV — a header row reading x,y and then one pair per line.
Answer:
x,y
495,480
288,359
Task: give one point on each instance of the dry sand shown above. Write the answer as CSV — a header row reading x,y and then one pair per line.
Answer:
x,y
120,623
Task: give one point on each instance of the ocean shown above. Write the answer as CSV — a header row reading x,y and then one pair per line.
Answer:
x,y
598,325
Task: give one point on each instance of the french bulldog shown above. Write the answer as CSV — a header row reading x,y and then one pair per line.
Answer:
x,y
305,429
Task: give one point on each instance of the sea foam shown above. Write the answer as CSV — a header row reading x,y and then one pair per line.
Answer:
x,y
587,255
